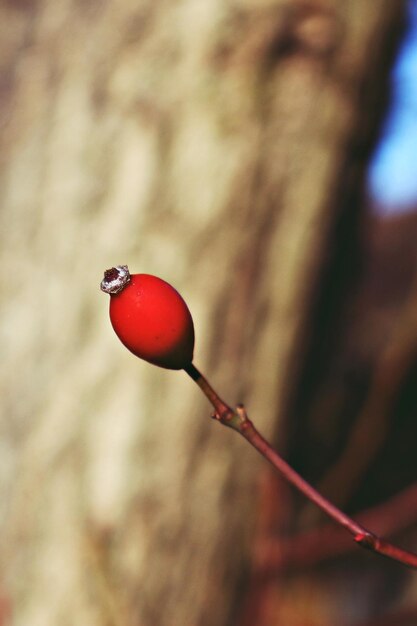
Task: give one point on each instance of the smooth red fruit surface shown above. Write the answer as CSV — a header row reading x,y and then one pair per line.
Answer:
x,y
152,320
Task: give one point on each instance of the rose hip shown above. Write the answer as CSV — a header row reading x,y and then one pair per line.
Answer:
x,y
150,318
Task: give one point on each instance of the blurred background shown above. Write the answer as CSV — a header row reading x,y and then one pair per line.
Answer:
x,y
261,157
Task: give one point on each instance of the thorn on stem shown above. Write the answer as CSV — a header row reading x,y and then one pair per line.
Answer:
x,y
241,412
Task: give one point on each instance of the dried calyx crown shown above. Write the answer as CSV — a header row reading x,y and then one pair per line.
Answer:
x,y
115,279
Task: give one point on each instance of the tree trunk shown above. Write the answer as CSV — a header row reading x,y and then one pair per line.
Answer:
x,y
219,146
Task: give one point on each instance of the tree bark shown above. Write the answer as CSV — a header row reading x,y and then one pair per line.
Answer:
x,y
219,146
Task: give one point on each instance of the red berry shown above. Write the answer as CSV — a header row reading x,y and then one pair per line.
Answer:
x,y
150,318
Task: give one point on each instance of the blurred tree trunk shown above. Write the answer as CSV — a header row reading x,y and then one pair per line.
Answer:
x,y
221,146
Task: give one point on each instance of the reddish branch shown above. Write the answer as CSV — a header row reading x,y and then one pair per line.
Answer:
x,y
314,546
238,421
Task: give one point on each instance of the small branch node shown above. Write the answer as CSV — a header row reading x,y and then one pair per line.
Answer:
x,y
365,540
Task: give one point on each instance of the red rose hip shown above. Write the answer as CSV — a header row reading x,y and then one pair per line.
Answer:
x,y
150,318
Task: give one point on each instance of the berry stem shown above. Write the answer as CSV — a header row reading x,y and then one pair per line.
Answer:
x,y
239,421
223,410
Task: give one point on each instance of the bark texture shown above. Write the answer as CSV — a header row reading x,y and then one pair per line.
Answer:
x,y
221,146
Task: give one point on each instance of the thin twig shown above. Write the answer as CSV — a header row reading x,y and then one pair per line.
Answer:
x,y
239,421
317,545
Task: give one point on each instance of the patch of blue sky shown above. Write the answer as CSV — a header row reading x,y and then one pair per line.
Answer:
x,y
393,170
